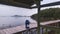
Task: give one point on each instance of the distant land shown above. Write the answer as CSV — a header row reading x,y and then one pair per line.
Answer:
x,y
48,14
19,16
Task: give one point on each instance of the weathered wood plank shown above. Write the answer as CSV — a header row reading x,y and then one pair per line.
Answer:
x,y
34,25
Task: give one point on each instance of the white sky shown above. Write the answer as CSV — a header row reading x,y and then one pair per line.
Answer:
x,y
9,10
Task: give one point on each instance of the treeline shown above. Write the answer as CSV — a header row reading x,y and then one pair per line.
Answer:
x,y
48,14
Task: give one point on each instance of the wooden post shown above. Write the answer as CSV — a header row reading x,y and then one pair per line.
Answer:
x,y
38,2
38,20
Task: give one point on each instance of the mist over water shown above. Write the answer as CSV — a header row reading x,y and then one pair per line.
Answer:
x,y
13,21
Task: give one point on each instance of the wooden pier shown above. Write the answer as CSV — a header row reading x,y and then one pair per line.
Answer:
x,y
22,27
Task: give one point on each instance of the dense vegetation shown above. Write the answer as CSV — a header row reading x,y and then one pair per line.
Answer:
x,y
48,14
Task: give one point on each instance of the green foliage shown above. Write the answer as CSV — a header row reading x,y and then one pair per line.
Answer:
x,y
48,14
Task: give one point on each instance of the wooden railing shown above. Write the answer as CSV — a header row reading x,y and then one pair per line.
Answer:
x,y
45,29
28,31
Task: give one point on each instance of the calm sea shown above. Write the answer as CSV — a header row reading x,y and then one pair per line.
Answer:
x,y
6,22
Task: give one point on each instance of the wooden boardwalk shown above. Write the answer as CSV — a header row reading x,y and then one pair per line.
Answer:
x,y
22,27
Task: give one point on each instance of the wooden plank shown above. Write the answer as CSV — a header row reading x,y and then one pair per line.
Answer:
x,y
34,25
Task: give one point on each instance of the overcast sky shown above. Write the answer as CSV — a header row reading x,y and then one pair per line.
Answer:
x,y
9,10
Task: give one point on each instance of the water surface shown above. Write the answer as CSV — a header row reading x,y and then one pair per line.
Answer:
x,y
13,21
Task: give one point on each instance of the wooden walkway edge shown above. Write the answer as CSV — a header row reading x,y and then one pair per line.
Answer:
x,y
22,27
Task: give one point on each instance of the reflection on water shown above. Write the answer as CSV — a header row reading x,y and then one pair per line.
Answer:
x,y
13,21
